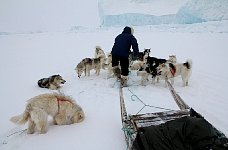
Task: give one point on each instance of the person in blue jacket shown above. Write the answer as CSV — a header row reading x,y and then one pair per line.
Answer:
x,y
120,52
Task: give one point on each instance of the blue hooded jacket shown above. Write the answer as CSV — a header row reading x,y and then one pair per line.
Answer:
x,y
123,43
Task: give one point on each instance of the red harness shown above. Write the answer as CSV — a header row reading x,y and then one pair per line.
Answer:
x,y
62,100
173,71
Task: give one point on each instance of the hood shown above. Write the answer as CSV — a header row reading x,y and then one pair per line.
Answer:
x,y
128,30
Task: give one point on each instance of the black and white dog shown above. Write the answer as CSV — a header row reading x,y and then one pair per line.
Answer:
x,y
150,68
53,82
141,55
137,63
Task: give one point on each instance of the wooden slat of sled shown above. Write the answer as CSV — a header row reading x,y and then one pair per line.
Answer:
x,y
144,120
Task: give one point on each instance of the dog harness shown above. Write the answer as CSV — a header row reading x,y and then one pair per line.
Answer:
x,y
172,69
61,100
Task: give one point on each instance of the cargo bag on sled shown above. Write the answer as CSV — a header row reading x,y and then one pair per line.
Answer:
x,y
186,133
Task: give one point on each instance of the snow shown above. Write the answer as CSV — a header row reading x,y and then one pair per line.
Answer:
x,y
32,49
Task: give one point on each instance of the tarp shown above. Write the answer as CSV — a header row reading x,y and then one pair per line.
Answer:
x,y
186,133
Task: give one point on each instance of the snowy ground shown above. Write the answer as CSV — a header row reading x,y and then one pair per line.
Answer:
x,y
25,58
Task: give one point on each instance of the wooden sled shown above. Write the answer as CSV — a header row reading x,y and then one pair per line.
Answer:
x,y
132,124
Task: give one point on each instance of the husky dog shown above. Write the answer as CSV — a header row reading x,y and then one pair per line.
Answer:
x,y
142,57
172,59
53,82
117,72
146,53
136,65
169,71
109,64
144,76
113,71
151,66
99,53
109,58
63,110
88,64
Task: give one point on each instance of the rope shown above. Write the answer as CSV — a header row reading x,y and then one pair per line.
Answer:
x,y
6,140
20,132
129,133
145,105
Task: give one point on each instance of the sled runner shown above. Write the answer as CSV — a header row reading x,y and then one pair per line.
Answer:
x,y
183,129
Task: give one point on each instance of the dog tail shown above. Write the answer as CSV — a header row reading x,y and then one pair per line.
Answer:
x,y
188,64
23,118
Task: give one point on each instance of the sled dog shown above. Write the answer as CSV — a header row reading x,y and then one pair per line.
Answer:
x,y
136,65
99,53
146,53
117,72
113,71
169,71
172,59
53,82
150,67
141,55
144,76
142,58
88,64
61,108
109,64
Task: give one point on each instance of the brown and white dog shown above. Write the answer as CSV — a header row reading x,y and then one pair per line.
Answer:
x,y
63,109
87,64
170,70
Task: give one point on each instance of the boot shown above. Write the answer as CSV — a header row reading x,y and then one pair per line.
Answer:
x,y
124,80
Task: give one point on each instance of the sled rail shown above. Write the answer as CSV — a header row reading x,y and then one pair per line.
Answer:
x,y
128,128
180,102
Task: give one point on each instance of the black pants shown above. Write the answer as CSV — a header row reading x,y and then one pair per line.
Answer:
x,y
124,64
